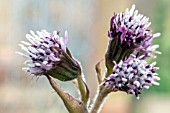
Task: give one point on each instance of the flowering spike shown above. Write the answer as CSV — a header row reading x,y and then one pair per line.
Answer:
x,y
48,55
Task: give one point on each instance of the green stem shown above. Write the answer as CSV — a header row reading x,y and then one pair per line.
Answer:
x,y
73,105
82,90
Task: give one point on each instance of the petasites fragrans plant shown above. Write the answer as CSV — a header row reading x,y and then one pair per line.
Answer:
x,y
130,44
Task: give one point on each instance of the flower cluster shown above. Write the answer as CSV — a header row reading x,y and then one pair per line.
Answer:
x,y
129,36
48,54
129,33
131,26
132,76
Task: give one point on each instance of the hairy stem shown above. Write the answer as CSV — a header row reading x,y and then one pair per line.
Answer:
x,y
98,101
73,105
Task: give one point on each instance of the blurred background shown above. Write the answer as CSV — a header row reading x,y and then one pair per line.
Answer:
x,y
87,22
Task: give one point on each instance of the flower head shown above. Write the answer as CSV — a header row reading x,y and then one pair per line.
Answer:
x,y
132,76
129,34
131,27
48,54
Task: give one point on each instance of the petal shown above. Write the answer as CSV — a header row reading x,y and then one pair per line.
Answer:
x,y
62,42
66,38
22,54
53,58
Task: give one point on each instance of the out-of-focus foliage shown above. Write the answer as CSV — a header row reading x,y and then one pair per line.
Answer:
x,y
87,22
161,23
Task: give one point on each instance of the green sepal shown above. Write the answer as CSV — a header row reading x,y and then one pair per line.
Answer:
x,y
62,74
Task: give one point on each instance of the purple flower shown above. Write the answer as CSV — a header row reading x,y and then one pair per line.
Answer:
x,y
129,34
132,76
131,27
48,54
